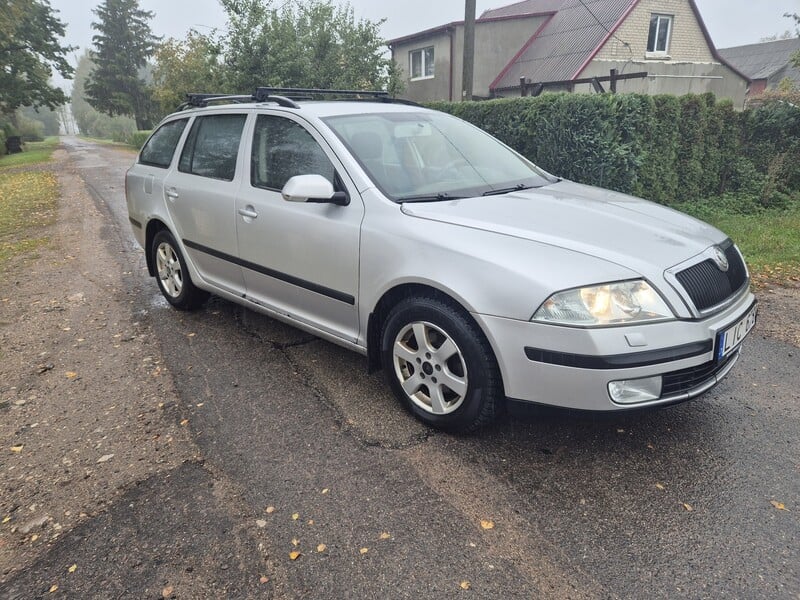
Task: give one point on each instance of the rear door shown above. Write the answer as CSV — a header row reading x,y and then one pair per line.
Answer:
x,y
201,195
300,259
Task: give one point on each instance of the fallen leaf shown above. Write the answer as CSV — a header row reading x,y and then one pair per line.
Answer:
x,y
261,523
53,588
465,585
166,592
269,510
778,505
364,550
384,536
294,555
295,542
185,422
688,507
325,491
72,568
321,548
6,519
487,524
71,374
17,448
105,458
264,579
660,486
295,516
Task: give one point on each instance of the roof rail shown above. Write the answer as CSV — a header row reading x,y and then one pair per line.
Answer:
x,y
287,97
311,93
201,100
307,93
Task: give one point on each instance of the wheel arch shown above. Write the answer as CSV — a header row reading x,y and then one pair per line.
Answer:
x,y
394,295
153,227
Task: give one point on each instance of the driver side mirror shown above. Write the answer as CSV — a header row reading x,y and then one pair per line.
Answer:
x,y
313,188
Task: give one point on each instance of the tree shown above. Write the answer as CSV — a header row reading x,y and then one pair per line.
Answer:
x,y
29,52
90,121
314,44
796,56
183,66
122,46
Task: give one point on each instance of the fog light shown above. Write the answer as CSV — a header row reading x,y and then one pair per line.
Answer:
x,y
631,391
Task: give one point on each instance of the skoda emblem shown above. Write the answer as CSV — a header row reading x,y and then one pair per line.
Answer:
x,y
719,258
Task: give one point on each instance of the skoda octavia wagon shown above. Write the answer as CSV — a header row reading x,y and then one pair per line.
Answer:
x,y
464,271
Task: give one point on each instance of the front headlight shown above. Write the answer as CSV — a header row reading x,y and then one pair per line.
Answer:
x,y
610,304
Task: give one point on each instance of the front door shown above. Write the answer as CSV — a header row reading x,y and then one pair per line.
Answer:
x,y
300,259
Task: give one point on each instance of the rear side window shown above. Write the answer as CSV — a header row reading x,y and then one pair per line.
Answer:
x,y
282,149
159,149
212,146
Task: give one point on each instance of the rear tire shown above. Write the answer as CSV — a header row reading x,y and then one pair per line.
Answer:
x,y
172,275
440,365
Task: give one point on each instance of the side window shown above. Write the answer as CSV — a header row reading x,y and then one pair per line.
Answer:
x,y
282,149
212,146
159,149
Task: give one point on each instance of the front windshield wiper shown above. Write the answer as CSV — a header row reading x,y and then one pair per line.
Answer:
x,y
429,197
516,188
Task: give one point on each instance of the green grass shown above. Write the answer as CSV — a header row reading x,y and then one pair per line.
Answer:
x,y
27,203
35,153
108,142
769,239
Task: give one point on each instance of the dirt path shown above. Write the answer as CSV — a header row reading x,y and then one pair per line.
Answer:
x,y
86,409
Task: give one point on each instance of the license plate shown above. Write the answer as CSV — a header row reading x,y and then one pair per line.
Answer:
x,y
729,340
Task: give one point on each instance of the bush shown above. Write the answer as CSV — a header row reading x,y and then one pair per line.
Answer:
x,y
29,130
665,148
138,138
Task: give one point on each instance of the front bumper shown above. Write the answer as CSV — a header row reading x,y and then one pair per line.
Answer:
x,y
572,367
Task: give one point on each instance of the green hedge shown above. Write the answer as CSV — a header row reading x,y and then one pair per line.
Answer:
x,y
137,139
665,148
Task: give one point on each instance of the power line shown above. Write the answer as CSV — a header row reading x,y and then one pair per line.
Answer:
x,y
599,22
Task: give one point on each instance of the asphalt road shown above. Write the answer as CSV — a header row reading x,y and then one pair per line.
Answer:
x,y
673,503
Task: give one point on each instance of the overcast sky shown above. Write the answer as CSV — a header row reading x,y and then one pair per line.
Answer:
x,y
730,22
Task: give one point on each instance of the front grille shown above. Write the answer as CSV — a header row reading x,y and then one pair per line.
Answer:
x,y
685,380
707,285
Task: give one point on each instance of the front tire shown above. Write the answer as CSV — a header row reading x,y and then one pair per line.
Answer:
x,y
440,365
172,275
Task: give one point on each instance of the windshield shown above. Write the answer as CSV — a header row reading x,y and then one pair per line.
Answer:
x,y
429,156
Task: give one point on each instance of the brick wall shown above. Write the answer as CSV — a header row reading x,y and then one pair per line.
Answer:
x,y
686,44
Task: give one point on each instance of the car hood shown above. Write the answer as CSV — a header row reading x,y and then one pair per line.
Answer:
x,y
628,231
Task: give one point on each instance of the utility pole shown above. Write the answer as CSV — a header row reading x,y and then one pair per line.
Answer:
x,y
469,50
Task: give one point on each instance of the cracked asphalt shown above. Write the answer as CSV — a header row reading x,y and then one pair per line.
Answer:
x,y
290,445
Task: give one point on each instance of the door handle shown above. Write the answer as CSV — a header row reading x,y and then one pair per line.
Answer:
x,y
248,212
172,194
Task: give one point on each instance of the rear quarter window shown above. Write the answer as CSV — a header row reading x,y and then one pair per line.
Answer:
x,y
158,150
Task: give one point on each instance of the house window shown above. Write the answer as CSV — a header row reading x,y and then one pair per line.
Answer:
x,y
421,63
660,30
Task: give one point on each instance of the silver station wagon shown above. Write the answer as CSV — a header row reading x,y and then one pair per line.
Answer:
x,y
465,272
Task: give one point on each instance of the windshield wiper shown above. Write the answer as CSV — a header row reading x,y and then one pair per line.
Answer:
x,y
516,188
429,197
